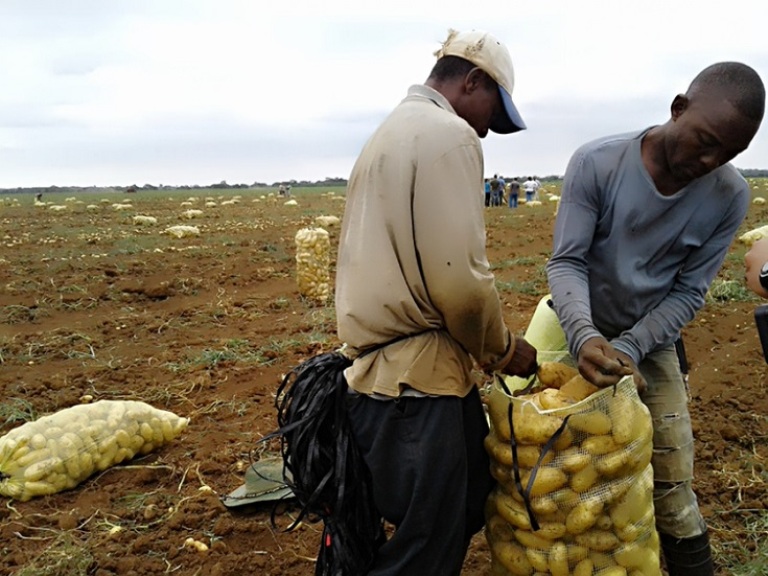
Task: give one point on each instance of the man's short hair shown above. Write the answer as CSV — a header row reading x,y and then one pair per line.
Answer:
x,y
452,67
739,83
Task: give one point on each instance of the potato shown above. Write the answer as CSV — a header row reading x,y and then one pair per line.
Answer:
x,y
566,499
577,553
551,530
544,506
546,480
500,472
639,457
564,441
578,388
632,555
538,559
512,557
584,479
599,445
499,529
599,540
604,522
583,516
534,428
613,464
512,511
600,560
551,399
555,374
630,533
594,423
612,571
527,454
532,540
632,506
573,459
498,415
584,568
622,414
558,560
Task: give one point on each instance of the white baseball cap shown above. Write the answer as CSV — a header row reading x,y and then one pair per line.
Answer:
x,y
487,53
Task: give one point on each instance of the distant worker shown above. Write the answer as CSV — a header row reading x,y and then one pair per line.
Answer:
x,y
497,190
530,189
514,193
536,188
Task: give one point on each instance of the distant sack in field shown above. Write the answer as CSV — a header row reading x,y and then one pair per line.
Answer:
x,y
313,249
754,235
59,451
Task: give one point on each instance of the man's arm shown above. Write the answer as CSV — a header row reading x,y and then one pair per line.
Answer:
x,y
568,276
567,268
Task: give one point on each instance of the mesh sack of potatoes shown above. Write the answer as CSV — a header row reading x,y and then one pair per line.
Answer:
x,y
57,452
574,490
313,259
752,236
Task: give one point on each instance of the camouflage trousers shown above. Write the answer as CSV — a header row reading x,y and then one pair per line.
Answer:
x,y
676,508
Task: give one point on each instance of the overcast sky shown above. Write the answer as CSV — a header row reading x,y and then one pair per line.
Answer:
x,y
119,92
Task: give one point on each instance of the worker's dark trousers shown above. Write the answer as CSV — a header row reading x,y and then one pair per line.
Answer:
x,y
430,478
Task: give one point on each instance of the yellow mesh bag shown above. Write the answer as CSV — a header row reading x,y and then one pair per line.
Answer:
x,y
313,250
59,451
575,485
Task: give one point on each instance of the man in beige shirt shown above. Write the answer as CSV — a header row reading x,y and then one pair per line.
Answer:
x,y
413,282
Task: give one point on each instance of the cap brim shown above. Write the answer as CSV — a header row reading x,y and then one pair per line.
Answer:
x,y
263,483
511,122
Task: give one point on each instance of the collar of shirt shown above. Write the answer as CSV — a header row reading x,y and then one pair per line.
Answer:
x,y
424,91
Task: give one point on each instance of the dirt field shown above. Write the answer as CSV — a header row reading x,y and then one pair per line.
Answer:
x,y
93,305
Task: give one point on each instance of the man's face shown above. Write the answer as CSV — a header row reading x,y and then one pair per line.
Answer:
x,y
707,132
481,103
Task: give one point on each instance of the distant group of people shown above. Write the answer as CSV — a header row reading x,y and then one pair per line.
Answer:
x,y
498,192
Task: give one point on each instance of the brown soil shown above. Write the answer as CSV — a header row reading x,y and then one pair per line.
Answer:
x,y
92,305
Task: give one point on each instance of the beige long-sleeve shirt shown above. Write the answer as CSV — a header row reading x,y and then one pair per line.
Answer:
x,y
412,256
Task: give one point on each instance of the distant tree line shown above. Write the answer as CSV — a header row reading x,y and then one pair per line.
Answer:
x,y
223,185
754,173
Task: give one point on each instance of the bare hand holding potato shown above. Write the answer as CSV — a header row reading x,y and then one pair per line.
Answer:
x,y
604,366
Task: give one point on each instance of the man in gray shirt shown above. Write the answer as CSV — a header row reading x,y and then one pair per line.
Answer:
x,y
644,223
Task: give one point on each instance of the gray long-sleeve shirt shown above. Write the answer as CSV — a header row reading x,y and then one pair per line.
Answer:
x,y
629,263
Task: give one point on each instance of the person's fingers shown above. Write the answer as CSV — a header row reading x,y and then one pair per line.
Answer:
x,y
599,378
640,382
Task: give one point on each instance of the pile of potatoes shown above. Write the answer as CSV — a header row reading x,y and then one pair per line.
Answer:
x,y
590,490
313,260
59,451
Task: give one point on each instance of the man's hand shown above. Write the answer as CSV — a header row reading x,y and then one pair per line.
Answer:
x,y
754,260
523,361
604,366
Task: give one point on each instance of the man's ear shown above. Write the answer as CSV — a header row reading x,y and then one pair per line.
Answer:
x,y
474,80
679,105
